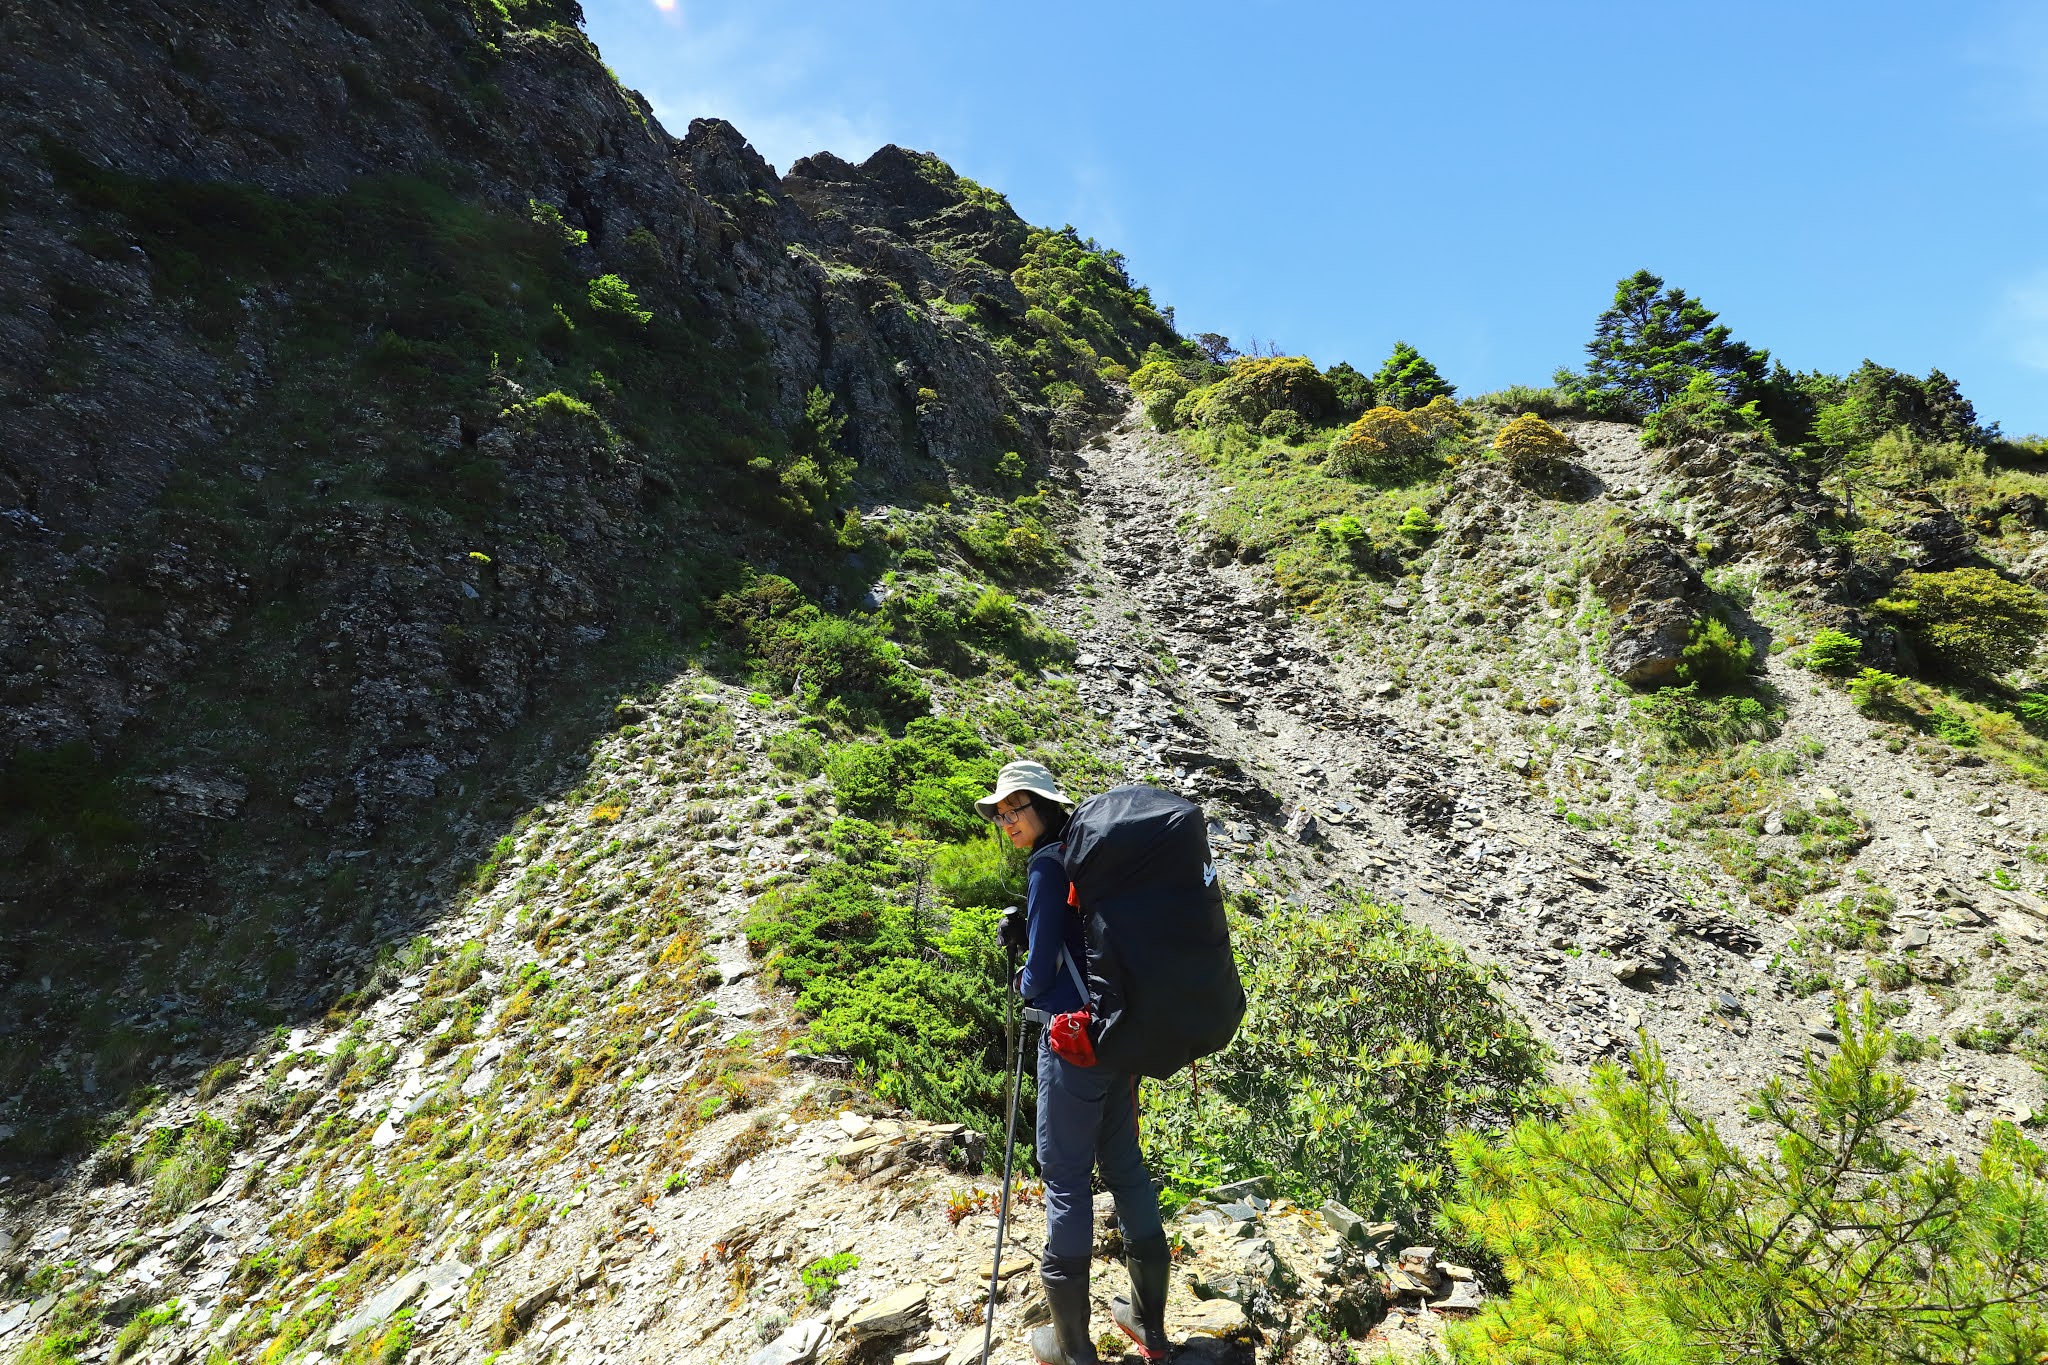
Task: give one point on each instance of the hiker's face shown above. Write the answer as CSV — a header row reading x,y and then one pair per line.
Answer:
x,y
1019,819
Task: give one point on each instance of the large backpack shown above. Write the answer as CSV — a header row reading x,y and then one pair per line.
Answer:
x,y
1162,985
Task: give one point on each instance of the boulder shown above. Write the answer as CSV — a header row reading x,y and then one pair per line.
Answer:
x,y
1656,597
797,1345
1216,1318
1418,1260
897,1314
1261,1185
1346,1224
378,1307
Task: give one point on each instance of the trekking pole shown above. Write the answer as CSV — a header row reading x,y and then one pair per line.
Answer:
x,y
995,1268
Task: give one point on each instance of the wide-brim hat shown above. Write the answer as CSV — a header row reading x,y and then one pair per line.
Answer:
x,y
1022,776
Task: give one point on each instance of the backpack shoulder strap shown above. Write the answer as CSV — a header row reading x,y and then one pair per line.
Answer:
x,y
1056,851
1080,981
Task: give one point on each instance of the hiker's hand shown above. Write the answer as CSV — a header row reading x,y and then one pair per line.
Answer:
x,y
1011,928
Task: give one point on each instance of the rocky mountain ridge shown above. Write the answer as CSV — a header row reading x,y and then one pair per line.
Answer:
x,y
639,1229
388,392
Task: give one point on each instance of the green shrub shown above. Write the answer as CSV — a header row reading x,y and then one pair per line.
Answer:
x,y
916,1001
1873,689
1159,385
1833,651
841,665
1907,1048
1685,719
1418,524
549,219
1715,656
184,1165
1953,727
1969,621
1345,538
1899,459
1701,408
1280,424
994,613
821,1277
1857,919
1366,1043
987,872
1517,399
556,406
797,751
930,778
610,297
1014,540
1632,1229
939,623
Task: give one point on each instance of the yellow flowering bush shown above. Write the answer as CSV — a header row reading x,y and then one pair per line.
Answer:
x,y
1534,450
1437,418
1381,444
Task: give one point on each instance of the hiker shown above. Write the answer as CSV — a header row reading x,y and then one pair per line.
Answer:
x,y
1087,1115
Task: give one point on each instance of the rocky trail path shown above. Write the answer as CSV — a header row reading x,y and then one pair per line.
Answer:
x,y
1316,771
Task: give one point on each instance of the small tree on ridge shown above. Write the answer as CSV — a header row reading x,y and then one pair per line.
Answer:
x,y
1652,341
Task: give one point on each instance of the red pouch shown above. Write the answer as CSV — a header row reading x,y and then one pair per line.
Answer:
x,y
1067,1035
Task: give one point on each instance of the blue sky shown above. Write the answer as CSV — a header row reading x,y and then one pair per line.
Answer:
x,y
1838,180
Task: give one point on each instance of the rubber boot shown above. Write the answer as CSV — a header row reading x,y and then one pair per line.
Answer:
x,y
1142,1316
1066,1341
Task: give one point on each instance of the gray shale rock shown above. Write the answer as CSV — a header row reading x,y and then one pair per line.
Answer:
x,y
797,1345
903,1312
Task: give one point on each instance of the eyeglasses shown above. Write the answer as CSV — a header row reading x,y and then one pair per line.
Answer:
x,y
1010,817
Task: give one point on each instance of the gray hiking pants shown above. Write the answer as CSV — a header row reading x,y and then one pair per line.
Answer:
x,y
1088,1118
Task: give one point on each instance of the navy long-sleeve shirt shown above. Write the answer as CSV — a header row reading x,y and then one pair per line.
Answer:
x,y
1050,925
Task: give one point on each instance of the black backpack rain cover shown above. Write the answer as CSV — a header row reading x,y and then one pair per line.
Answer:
x,y
1162,983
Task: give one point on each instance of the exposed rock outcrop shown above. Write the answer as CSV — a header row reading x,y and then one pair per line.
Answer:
x,y
1657,597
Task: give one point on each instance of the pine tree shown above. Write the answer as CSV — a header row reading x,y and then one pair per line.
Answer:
x,y
1651,343
1406,380
1634,1232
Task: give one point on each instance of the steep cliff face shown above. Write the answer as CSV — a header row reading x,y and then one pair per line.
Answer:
x,y
383,384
